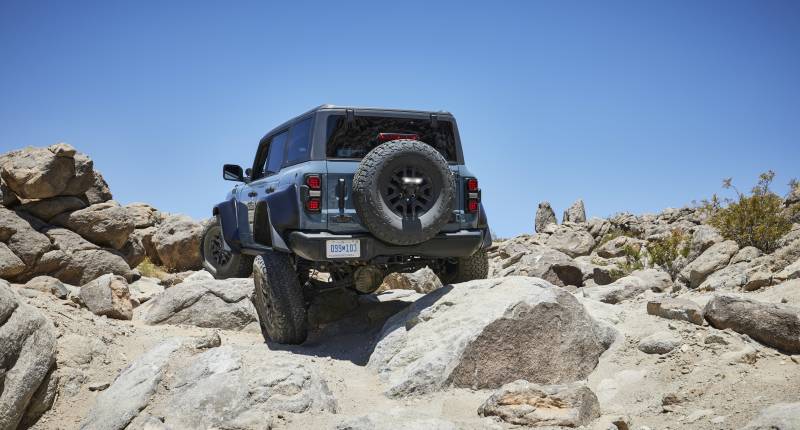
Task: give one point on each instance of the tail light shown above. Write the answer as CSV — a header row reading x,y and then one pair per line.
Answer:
x,y
473,194
312,193
385,137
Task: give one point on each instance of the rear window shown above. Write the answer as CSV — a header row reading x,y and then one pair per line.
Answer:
x,y
357,138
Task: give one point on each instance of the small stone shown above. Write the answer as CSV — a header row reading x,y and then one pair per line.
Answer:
x,y
659,343
98,386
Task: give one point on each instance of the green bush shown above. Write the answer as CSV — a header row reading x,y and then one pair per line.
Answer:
x,y
633,261
756,220
665,252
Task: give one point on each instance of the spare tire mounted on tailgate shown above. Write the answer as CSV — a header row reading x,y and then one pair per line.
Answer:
x,y
404,192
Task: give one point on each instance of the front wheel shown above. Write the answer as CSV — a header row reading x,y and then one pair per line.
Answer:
x,y
221,262
278,299
476,266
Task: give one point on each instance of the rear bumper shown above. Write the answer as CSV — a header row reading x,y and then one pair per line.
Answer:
x,y
463,243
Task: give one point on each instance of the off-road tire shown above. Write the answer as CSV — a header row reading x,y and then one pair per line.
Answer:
x,y
373,211
278,299
238,265
476,266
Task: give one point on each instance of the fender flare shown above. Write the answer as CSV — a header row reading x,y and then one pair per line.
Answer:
x,y
231,214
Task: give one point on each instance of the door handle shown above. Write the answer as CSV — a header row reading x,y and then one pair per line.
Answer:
x,y
252,194
270,189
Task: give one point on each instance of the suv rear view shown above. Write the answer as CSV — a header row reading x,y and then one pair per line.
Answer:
x,y
338,198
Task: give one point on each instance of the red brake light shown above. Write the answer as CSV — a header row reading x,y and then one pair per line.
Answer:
x,y
472,205
385,137
314,182
472,184
313,204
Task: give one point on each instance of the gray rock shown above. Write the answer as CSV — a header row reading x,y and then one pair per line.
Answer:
x,y
98,192
82,180
631,286
526,404
133,251
7,197
27,354
571,240
660,342
451,337
575,213
775,325
209,303
781,416
10,264
22,238
108,295
617,247
117,406
422,281
223,387
732,277
145,289
544,216
177,243
541,262
106,223
47,209
598,227
704,236
791,271
746,255
48,284
676,309
712,259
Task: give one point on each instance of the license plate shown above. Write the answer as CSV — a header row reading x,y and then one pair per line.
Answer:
x,y
343,248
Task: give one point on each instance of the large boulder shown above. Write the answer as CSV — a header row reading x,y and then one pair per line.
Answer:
x,y
526,404
781,416
47,209
108,295
10,264
704,236
106,224
544,216
202,302
98,192
676,309
712,259
483,334
78,261
775,325
27,354
523,259
143,215
234,387
571,241
177,243
37,173
575,213
631,286
618,247
118,405
22,238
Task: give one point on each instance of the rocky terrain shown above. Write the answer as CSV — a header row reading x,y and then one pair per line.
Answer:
x,y
106,322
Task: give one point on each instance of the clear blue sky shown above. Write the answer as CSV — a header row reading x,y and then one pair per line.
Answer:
x,y
632,106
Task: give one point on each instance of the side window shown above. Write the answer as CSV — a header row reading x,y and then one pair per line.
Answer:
x,y
275,156
299,140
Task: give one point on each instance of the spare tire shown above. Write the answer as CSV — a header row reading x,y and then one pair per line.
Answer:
x,y
404,192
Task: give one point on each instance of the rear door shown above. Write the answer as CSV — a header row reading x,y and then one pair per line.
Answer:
x,y
267,179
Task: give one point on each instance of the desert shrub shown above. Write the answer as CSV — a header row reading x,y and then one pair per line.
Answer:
x,y
756,220
150,270
633,261
613,234
665,253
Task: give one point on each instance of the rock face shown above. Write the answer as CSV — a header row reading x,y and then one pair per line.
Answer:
x,y
483,334
526,404
27,353
40,173
422,281
522,259
616,247
108,295
117,406
575,213
202,302
544,216
776,325
712,259
47,209
177,242
676,309
226,387
782,416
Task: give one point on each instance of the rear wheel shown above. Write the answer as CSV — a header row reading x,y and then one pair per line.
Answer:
x,y
221,262
278,299
476,266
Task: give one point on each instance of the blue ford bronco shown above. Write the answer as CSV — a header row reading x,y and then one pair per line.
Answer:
x,y
338,197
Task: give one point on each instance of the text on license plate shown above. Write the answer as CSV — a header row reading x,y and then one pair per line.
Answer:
x,y
343,248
